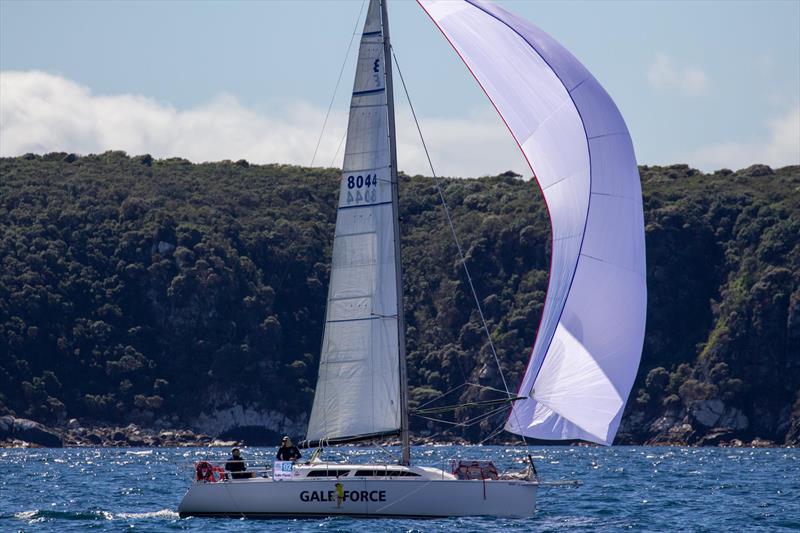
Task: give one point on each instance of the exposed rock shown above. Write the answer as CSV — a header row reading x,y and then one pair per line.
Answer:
x,y
663,424
631,429
16,443
762,443
793,434
223,443
735,443
708,412
133,435
223,420
715,437
735,419
678,435
714,414
35,433
32,432
6,426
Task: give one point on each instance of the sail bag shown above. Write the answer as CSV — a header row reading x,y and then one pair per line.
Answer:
x,y
589,342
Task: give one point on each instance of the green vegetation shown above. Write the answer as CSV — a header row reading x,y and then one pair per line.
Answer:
x,y
142,290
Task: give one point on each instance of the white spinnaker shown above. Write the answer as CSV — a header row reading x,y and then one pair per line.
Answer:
x,y
358,386
589,343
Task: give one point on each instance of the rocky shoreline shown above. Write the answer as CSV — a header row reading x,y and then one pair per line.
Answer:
x,y
24,433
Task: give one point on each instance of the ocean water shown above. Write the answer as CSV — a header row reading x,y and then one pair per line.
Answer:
x,y
624,488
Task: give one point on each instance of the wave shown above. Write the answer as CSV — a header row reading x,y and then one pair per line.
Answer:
x,y
163,513
39,515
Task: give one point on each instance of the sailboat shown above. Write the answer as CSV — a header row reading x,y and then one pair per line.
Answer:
x,y
589,341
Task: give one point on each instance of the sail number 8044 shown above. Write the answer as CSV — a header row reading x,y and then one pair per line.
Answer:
x,y
362,189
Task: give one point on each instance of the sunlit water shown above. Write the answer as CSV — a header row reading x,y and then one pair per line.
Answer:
x,y
636,488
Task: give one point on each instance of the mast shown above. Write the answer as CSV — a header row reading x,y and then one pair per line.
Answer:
x,y
405,458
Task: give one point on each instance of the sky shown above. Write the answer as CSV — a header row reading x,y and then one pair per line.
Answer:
x,y
713,84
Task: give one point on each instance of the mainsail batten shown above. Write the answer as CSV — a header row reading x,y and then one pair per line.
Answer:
x,y
358,387
590,337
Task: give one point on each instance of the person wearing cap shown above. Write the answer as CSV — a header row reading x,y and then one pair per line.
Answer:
x,y
236,466
288,451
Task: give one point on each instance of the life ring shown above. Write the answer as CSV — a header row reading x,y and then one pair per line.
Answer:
x,y
204,471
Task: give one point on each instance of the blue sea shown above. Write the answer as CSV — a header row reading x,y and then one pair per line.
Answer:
x,y
624,488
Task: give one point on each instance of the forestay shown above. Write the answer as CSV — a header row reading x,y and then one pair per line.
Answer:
x,y
589,342
358,390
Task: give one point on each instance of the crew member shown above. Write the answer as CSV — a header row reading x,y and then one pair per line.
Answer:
x,y
236,466
288,451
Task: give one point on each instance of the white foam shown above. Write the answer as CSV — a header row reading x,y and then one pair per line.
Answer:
x,y
163,513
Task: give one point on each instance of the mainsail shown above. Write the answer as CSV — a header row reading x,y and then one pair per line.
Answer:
x,y
589,343
358,392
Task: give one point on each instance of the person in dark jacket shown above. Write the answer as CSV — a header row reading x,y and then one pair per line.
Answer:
x,y
236,466
288,451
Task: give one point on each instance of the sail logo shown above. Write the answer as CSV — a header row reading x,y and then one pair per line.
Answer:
x,y
376,68
347,495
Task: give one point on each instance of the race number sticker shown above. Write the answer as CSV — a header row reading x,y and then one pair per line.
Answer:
x,y
362,189
282,470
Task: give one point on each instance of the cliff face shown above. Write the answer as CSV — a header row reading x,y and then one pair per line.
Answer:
x,y
738,372
167,294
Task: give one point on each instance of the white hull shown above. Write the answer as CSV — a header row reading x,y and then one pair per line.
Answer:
x,y
265,498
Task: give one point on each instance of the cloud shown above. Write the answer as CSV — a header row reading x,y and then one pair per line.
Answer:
x,y
41,112
477,145
780,148
665,75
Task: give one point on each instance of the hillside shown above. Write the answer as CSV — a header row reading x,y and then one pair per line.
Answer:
x,y
171,294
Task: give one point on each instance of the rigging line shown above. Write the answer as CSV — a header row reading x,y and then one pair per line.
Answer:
x,y
443,395
421,408
454,389
496,432
450,408
335,155
384,450
338,81
487,387
466,423
452,227
469,421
